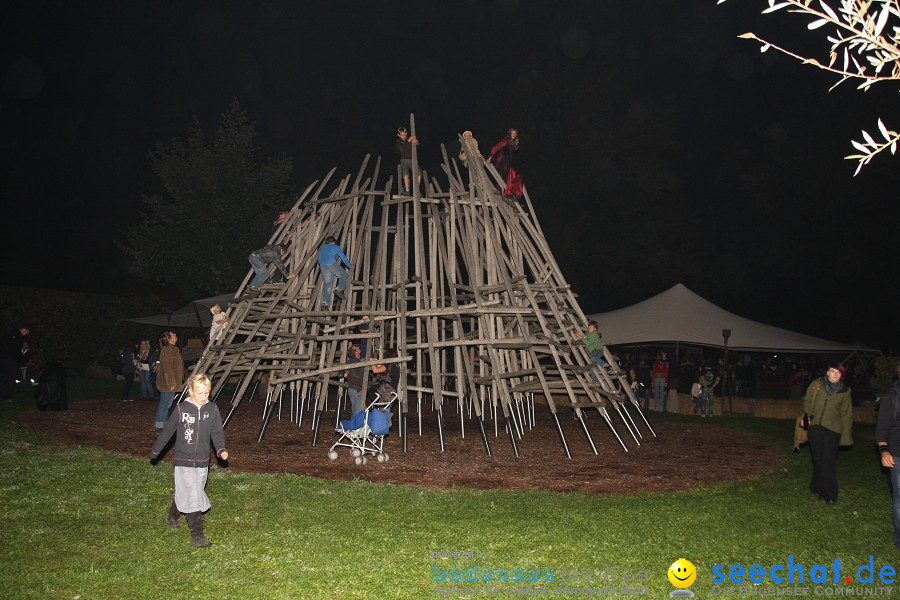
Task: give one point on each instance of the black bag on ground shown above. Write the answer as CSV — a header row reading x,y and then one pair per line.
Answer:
x,y
51,393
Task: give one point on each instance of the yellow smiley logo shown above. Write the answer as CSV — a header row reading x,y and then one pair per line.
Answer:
x,y
682,573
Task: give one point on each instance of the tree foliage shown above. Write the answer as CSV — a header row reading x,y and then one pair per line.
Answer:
x,y
865,47
218,204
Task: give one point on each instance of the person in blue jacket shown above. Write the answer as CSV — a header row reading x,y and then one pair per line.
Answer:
x,y
331,258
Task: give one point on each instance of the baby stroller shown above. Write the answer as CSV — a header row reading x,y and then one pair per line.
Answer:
x,y
364,434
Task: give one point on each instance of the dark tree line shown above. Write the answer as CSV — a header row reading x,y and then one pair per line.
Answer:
x,y
217,202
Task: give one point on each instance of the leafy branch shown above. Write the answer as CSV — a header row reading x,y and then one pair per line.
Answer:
x,y
866,45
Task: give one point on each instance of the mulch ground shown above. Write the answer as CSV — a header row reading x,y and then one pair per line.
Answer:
x,y
715,453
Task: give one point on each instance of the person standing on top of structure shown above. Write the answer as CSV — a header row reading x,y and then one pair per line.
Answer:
x,y
504,157
467,136
330,258
260,260
403,147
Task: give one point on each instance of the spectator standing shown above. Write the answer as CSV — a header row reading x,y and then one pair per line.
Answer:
x,y
645,380
697,395
9,361
829,407
887,436
708,383
127,359
26,362
635,385
660,374
144,373
169,376
330,259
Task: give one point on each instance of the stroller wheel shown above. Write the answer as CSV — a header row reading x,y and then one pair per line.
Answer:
x,y
358,460
332,455
365,460
387,457
381,457
355,452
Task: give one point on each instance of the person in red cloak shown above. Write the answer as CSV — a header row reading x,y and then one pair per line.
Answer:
x,y
503,157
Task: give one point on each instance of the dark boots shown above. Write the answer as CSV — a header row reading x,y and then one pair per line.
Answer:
x,y
195,523
172,518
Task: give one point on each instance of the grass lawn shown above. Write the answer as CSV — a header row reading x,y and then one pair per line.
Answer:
x,y
85,523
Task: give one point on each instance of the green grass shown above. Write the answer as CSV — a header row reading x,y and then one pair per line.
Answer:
x,y
85,523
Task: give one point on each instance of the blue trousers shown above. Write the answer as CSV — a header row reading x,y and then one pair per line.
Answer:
x,y
895,493
147,390
162,411
659,389
260,268
355,401
329,273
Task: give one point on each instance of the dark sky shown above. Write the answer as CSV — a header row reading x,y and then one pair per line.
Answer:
x,y
658,147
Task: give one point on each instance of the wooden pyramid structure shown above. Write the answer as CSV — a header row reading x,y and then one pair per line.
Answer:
x,y
457,280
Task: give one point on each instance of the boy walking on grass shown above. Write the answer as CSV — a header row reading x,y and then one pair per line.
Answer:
x,y
197,423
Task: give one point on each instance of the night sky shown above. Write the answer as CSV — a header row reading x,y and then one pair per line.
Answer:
x,y
657,146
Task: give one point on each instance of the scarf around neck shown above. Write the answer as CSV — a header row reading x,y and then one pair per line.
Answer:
x,y
833,388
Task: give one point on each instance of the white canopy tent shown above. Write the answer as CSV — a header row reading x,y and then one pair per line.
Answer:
x,y
680,315
193,314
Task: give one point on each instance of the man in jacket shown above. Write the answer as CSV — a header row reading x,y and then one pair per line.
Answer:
x,y
887,436
169,377
260,261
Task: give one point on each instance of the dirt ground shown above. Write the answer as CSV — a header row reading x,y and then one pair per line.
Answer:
x,y
713,453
